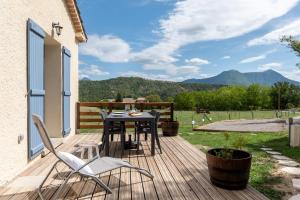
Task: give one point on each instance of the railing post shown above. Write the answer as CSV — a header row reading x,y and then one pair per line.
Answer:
x,y
172,111
78,117
290,128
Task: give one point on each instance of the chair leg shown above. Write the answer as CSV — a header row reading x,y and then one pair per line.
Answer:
x,y
135,125
146,136
102,145
138,143
101,184
112,137
46,177
157,140
63,185
40,194
102,138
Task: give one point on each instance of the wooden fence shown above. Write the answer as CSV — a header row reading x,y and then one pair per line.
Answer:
x,y
88,116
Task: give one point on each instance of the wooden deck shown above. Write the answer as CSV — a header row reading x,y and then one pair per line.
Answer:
x,y
180,173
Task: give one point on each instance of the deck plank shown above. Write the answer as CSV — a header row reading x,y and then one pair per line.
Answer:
x,y
100,194
180,172
199,159
199,166
114,183
148,184
137,188
160,184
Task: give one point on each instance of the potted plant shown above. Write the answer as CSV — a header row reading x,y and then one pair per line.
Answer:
x,y
170,128
229,168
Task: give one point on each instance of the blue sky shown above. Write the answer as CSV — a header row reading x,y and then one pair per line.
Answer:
x,y
176,40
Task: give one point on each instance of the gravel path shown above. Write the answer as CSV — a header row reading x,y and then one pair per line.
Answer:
x,y
262,125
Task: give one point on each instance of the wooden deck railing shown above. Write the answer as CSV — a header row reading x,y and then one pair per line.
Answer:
x,y
88,112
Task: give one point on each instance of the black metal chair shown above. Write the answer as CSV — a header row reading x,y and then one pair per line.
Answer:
x,y
114,128
145,128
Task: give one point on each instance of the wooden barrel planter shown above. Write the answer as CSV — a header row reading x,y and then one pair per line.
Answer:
x,y
232,173
170,128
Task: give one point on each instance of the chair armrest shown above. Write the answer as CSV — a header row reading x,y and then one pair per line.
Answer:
x,y
87,163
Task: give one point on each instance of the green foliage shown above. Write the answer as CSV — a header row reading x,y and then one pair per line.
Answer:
x,y
258,97
292,43
240,142
229,98
184,101
169,99
154,98
135,87
119,98
284,95
226,152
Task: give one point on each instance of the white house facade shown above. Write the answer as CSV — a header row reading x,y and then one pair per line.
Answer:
x,y
39,74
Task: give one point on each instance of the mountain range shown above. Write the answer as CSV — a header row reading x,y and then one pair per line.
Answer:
x,y
234,77
90,90
135,87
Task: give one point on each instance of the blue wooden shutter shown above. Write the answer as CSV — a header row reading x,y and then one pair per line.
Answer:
x,y
36,91
66,91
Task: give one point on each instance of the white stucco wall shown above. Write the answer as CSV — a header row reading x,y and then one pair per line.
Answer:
x,y
13,73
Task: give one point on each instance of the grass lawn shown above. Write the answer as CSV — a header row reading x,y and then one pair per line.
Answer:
x,y
263,175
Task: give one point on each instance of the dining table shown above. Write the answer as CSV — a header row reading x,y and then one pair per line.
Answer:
x,y
124,117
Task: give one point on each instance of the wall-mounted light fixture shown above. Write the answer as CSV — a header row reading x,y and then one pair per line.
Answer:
x,y
57,28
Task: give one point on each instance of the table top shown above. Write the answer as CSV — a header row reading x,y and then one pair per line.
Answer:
x,y
126,117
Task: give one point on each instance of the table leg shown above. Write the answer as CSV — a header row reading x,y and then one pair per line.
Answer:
x,y
122,137
153,124
106,123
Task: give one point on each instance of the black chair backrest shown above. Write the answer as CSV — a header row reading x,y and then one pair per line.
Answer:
x,y
103,114
156,114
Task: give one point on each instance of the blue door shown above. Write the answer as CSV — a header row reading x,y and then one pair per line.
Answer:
x,y
35,77
66,55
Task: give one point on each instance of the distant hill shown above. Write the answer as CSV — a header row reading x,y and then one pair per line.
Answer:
x,y
234,77
85,79
134,87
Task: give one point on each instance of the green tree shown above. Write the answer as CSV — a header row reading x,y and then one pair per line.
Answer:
x,y
258,96
153,98
184,101
119,97
284,94
170,99
292,43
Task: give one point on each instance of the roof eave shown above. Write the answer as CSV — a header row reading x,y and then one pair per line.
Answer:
x,y
73,9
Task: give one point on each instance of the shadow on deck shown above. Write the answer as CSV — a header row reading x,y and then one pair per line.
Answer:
x,y
180,172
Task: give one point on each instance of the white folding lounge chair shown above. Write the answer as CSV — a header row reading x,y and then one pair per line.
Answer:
x,y
90,169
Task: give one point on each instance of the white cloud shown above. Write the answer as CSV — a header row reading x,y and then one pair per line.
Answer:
x,y
197,20
197,61
226,57
183,73
189,22
80,62
274,36
188,69
91,70
291,74
273,65
106,48
162,77
253,59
